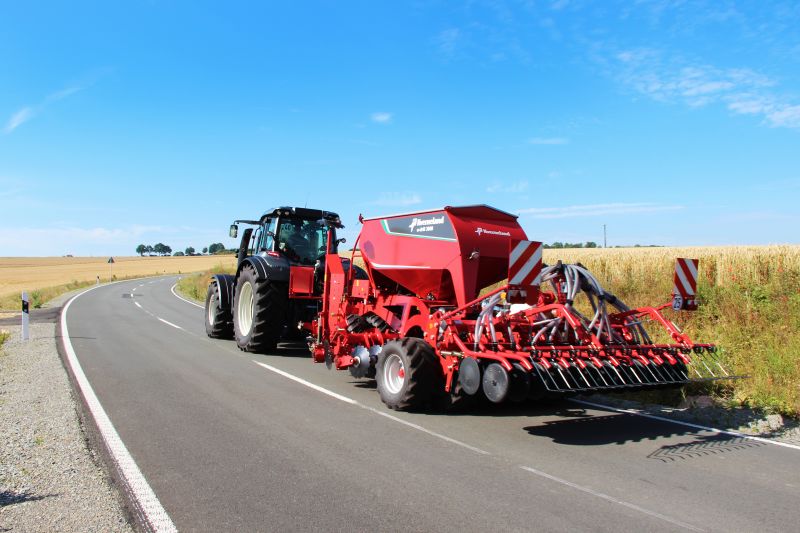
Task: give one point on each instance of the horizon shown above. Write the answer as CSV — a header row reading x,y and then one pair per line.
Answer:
x,y
673,124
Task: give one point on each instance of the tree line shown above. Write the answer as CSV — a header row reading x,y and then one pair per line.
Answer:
x,y
163,249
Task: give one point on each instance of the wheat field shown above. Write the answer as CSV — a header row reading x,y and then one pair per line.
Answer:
x,y
31,274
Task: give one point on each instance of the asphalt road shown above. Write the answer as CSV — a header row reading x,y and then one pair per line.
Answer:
x,y
228,444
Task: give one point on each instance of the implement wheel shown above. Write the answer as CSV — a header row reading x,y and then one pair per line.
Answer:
x,y
219,322
406,374
259,312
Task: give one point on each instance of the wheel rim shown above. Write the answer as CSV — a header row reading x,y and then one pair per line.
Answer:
x,y
212,309
394,373
245,310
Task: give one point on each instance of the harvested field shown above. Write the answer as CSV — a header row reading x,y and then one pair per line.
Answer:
x,y
42,273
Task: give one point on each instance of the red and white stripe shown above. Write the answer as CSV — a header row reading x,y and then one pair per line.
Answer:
x,y
686,278
525,263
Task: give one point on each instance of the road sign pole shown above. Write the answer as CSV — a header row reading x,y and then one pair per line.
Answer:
x,y
25,316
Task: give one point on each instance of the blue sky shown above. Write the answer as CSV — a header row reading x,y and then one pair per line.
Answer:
x,y
673,122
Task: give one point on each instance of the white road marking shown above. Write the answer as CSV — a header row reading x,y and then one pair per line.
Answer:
x,y
167,322
606,497
137,304
141,492
688,424
134,289
368,408
184,299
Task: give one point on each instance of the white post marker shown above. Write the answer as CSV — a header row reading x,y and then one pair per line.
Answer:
x,y
25,316
111,263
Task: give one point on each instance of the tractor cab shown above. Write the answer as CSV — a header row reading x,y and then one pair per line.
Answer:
x,y
298,235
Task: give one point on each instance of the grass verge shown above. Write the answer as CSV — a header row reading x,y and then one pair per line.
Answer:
x,y
195,286
4,335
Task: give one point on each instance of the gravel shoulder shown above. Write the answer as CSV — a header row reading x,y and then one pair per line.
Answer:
x,y
50,479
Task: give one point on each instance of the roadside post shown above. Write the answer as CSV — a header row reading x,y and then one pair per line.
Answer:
x,y
25,316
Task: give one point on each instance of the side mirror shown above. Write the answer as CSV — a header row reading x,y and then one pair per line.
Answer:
x,y
234,231
341,241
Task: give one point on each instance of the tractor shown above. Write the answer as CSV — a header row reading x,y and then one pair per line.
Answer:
x,y
277,289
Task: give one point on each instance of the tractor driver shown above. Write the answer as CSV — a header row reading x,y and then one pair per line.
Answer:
x,y
292,241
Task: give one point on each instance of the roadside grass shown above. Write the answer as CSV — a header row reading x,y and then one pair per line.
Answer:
x,y
4,335
195,286
38,297
750,308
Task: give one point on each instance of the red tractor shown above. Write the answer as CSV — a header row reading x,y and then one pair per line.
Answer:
x,y
419,324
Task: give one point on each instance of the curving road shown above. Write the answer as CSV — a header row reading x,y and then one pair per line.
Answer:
x,y
231,441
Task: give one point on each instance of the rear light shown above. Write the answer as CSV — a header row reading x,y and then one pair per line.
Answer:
x,y
273,254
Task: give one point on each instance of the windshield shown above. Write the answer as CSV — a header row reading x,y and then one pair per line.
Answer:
x,y
301,240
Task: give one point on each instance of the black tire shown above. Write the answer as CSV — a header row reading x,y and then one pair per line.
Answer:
x,y
219,322
406,374
259,329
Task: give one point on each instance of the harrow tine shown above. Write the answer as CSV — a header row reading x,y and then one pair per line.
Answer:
x,y
661,378
560,373
591,377
621,379
542,378
653,374
588,385
632,371
599,373
673,373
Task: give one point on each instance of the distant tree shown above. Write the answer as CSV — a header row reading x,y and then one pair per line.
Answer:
x,y
591,244
149,250
141,249
158,248
216,248
205,249
189,250
178,254
167,250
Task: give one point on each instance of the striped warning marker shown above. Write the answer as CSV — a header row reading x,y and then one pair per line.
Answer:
x,y
525,263
685,283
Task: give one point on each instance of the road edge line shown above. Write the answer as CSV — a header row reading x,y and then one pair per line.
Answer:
x,y
612,499
687,424
172,290
141,493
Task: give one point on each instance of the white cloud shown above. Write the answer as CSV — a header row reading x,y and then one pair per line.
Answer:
x,y
26,113
741,90
548,140
398,199
515,187
591,210
381,117
448,41
19,118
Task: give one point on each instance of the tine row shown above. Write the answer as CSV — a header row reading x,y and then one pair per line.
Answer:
x,y
609,377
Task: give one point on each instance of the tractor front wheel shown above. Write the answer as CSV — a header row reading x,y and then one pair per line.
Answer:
x,y
219,323
259,312
406,374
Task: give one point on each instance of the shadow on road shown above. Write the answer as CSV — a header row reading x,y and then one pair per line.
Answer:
x,y
9,497
578,429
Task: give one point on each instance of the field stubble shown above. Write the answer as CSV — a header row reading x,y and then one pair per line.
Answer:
x,y
47,277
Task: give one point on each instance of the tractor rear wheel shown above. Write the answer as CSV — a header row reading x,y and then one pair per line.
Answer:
x,y
259,311
406,374
219,322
